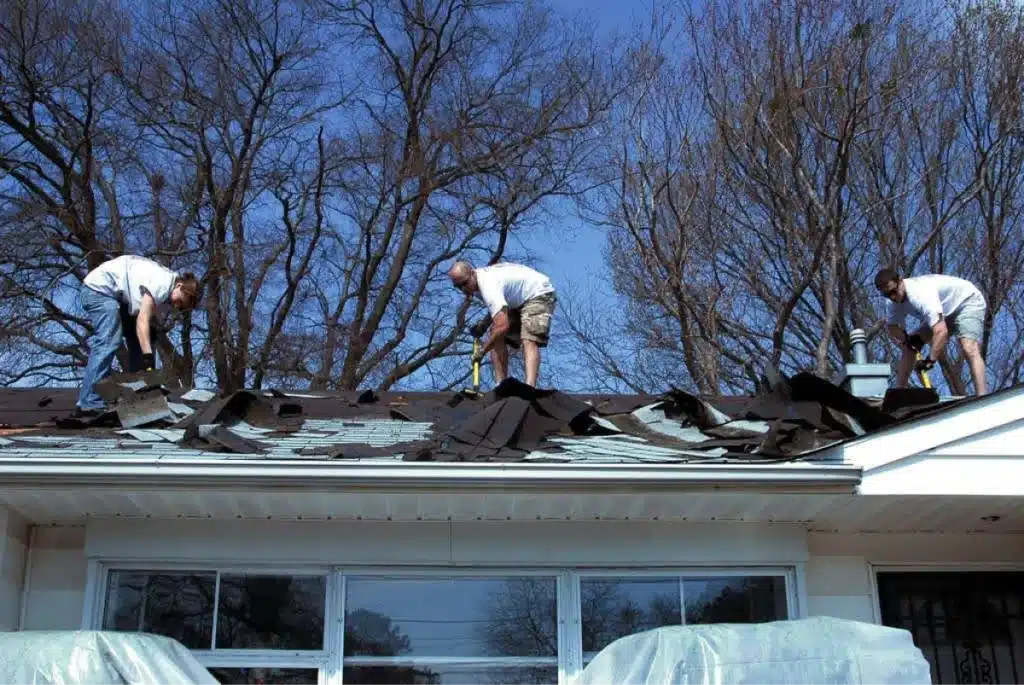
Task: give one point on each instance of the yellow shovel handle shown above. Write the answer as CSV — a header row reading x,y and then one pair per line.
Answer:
x,y
923,375
476,364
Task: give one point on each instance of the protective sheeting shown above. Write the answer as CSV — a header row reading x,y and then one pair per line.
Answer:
x,y
826,651
85,657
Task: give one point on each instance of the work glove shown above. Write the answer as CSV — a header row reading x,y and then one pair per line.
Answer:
x,y
915,342
924,364
478,357
148,361
479,329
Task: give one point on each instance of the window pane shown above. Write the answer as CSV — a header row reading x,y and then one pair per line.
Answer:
x,y
615,607
735,600
270,676
450,675
271,612
178,605
476,617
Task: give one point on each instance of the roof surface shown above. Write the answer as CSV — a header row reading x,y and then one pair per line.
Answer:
x,y
513,423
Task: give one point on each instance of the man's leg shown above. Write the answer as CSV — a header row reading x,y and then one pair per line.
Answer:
x,y
972,350
536,329
905,367
105,314
131,340
531,360
499,358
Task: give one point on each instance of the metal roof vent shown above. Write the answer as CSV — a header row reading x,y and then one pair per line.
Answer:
x,y
862,378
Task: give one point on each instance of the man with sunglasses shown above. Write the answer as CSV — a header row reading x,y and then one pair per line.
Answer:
x,y
520,302
944,305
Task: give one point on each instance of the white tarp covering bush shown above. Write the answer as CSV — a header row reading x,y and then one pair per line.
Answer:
x,y
828,651
79,657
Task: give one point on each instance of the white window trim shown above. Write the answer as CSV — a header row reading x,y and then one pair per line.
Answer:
x,y
330,661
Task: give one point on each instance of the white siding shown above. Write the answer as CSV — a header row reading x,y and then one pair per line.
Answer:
x,y
13,546
56,579
381,543
839,573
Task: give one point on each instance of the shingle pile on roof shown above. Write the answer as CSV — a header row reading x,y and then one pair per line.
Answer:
x,y
514,422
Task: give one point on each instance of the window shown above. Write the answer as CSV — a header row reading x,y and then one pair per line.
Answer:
x,y
438,627
615,606
215,612
443,630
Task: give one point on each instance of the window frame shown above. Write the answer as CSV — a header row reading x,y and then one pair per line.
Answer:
x,y
330,661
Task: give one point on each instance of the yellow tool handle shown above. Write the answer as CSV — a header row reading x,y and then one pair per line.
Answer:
x,y
476,364
926,381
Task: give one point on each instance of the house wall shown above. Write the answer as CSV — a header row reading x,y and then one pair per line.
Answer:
x,y
839,573
13,550
836,578
56,579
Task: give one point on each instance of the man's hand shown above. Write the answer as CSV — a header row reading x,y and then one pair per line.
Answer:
x,y
478,356
479,329
925,364
914,342
148,361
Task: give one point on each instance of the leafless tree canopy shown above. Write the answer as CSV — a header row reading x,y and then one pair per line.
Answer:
x,y
320,164
771,156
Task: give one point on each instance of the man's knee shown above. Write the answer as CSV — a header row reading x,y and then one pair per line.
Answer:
x,y
971,348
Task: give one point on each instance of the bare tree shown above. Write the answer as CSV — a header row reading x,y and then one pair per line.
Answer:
x,y
813,143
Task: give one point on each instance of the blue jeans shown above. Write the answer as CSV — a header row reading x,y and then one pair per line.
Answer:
x,y
111,323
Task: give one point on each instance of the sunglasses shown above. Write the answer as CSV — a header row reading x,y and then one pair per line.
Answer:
x,y
461,284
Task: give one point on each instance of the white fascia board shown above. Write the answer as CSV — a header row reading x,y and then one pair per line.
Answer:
x,y
961,476
925,434
401,476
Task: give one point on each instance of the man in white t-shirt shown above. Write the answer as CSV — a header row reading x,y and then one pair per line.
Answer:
x,y
520,303
944,305
121,297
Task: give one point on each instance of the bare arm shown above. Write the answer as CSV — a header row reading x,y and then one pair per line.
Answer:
x,y
142,324
897,333
940,336
499,329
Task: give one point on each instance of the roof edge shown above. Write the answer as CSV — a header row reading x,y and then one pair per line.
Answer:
x,y
402,476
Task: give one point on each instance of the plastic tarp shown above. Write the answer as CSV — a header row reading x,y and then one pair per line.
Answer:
x,y
80,657
822,650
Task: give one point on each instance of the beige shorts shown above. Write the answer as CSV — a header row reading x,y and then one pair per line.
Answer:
x,y
532,321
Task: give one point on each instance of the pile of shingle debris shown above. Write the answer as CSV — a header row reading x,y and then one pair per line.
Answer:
x,y
795,417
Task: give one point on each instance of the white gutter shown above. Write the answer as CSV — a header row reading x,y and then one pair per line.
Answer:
x,y
402,476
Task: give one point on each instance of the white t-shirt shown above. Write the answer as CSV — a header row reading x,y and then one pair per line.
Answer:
x,y
510,285
128,278
932,295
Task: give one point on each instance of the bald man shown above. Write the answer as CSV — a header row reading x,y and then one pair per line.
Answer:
x,y
520,302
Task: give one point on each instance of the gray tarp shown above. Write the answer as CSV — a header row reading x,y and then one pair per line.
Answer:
x,y
78,657
827,651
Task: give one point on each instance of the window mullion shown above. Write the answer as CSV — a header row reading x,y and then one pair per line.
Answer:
x,y
216,609
682,600
335,627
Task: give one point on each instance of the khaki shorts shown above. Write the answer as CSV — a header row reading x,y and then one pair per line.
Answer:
x,y
532,321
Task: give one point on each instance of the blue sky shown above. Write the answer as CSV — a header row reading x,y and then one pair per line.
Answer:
x,y
566,249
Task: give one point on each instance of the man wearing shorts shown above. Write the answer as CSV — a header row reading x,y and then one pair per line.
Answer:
x,y
520,303
945,305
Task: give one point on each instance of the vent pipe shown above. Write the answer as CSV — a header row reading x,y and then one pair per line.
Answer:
x,y
862,378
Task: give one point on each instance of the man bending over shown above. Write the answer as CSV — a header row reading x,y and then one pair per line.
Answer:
x,y
121,297
943,305
520,302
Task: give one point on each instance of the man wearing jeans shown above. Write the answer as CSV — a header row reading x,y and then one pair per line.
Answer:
x,y
944,305
121,297
520,302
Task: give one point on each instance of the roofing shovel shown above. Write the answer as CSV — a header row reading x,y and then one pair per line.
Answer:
x,y
917,344
475,392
